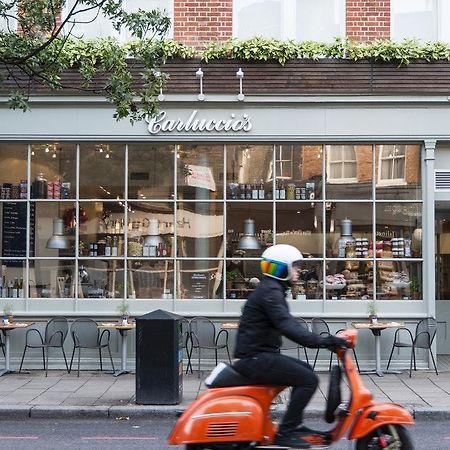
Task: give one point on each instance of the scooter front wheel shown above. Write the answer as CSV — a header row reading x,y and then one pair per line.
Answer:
x,y
387,437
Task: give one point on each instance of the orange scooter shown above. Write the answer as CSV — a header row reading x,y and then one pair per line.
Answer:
x,y
233,414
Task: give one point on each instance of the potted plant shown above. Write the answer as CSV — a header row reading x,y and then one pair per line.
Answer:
x,y
124,310
414,286
7,313
372,311
231,276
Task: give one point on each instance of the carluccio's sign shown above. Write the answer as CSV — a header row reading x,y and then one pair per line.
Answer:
x,y
161,123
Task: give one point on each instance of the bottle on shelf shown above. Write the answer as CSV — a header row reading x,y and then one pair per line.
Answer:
x,y
261,190
277,189
248,192
282,190
20,292
242,191
108,245
115,246
254,191
15,289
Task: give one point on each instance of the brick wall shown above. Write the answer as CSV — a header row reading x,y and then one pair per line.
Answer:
x,y
198,22
368,20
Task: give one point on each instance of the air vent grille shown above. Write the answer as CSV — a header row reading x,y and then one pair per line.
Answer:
x,y
222,429
442,180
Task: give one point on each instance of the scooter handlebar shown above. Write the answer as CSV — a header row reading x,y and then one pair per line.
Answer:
x,y
351,336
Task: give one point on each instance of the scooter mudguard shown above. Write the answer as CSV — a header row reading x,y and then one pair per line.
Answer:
x,y
377,415
231,419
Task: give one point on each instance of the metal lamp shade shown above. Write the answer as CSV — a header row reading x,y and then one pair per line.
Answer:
x,y
248,241
58,241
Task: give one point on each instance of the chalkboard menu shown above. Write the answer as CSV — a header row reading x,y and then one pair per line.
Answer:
x,y
199,285
14,231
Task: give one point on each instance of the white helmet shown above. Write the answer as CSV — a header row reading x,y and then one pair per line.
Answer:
x,y
277,261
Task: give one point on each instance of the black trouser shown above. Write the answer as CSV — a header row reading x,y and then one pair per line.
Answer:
x,y
278,369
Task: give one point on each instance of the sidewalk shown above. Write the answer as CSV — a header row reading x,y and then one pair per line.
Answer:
x,y
96,394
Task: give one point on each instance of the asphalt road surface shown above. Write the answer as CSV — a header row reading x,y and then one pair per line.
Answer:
x,y
35,434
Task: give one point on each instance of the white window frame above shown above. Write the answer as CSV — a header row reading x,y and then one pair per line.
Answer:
x,y
342,162
390,181
124,36
288,17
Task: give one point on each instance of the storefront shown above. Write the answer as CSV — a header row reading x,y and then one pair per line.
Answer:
x,y
174,213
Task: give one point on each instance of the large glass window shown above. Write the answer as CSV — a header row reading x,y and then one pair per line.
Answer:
x,y
289,19
92,24
175,222
426,20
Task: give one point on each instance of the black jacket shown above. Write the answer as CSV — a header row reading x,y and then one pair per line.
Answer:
x,y
266,318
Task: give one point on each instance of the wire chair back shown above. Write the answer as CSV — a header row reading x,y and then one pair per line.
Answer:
x,y
202,331
56,332
85,332
425,332
319,326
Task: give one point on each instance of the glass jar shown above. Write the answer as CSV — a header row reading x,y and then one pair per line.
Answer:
x,y
40,187
290,191
135,246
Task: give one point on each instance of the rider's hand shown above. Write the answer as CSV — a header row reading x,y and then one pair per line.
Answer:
x,y
336,342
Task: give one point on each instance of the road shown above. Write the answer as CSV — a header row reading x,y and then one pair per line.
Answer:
x,y
109,434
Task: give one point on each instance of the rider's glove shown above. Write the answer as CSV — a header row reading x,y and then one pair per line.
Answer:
x,y
334,342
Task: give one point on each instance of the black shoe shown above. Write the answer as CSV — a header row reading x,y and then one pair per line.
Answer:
x,y
291,440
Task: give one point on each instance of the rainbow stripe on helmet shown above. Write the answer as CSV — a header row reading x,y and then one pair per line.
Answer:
x,y
274,268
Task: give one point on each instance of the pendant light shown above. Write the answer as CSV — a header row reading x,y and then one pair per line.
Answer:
x,y
58,241
248,240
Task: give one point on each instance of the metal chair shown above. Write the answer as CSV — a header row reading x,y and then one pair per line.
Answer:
x,y
2,345
287,344
186,342
85,334
54,337
423,338
202,335
320,326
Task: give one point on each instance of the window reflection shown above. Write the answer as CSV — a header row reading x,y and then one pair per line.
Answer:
x,y
399,280
249,172
398,172
52,278
350,279
150,171
101,278
199,279
102,171
249,223
242,277
53,171
349,230
12,278
200,229
200,171
53,220
150,279
399,230
101,229
349,171
13,176
309,285
150,229
300,225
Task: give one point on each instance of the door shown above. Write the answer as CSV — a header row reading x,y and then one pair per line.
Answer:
x,y
443,276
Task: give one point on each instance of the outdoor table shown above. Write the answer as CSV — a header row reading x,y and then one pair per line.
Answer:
x,y
123,330
229,325
6,329
376,329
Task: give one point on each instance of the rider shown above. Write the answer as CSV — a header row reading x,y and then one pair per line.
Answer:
x,y
265,319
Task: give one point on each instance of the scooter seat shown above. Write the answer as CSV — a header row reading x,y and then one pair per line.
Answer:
x,y
223,375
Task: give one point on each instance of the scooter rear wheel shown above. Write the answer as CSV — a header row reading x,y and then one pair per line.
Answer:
x,y
386,437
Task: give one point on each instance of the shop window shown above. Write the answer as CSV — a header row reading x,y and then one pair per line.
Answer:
x,y
101,278
150,279
426,20
150,171
249,172
102,171
200,172
91,24
13,279
199,279
392,164
289,19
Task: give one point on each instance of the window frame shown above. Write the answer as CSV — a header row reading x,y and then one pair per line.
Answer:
x,y
341,180
390,181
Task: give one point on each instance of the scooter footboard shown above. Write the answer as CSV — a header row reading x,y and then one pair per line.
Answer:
x,y
236,418
378,415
